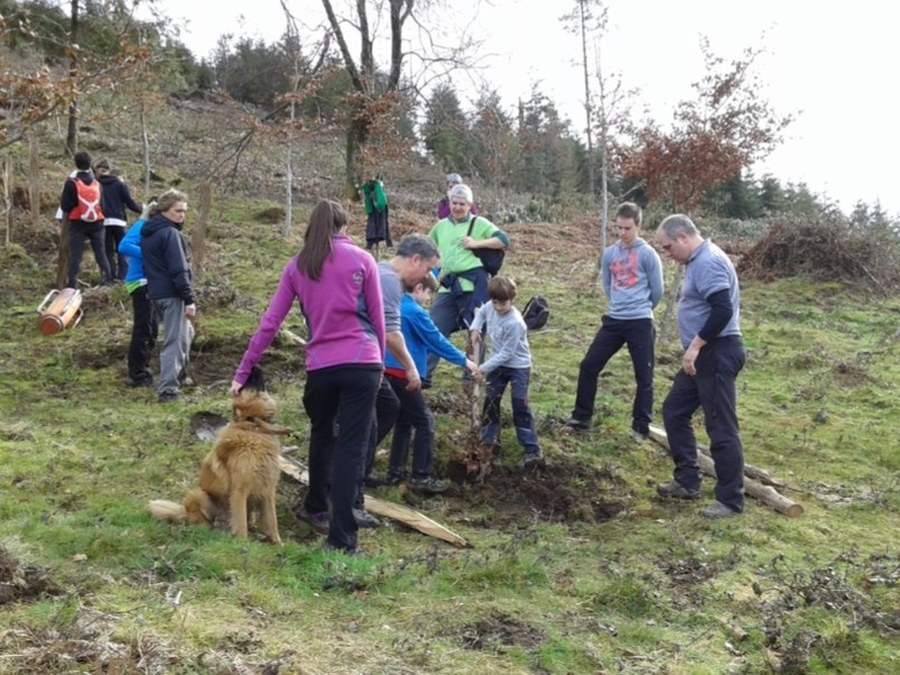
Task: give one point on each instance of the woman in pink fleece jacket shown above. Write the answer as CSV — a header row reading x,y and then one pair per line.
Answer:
x,y
339,292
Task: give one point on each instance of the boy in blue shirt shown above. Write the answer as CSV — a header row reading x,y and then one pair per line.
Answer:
x,y
422,337
509,363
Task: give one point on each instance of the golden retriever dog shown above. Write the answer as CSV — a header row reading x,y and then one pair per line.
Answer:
x,y
239,475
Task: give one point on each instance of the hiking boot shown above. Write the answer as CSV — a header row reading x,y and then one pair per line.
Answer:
x,y
675,490
533,459
140,382
364,519
639,436
317,520
168,397
428,485
577,424
718,510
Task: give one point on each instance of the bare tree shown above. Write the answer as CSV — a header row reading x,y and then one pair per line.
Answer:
x,y
607,114
31,93
377,93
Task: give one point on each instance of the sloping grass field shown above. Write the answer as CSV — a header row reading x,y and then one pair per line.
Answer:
x,y
578,568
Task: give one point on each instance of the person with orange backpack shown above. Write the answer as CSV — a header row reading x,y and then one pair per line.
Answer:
x,y
81,201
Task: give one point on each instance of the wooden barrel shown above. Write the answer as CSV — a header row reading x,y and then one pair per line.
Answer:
x,y
60,310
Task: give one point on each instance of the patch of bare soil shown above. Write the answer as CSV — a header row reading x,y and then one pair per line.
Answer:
x,y
498,632
23,583
562,491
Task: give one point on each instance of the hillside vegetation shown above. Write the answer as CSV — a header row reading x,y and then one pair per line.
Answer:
x,y
578,568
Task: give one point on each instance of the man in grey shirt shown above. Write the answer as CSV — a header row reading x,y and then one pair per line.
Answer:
x,y
709,329
416,256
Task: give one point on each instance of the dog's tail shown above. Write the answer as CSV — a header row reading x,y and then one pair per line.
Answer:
x,y
166,510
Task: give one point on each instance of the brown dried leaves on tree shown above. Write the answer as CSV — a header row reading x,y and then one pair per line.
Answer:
x,y
725,129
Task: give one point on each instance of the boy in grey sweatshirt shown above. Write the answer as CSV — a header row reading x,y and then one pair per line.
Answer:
x,y
509,363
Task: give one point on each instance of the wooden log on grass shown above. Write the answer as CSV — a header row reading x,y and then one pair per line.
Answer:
x,y
380,507
764,493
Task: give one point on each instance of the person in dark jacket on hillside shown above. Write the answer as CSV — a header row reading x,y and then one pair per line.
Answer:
x,y
114,198
169,287
80,201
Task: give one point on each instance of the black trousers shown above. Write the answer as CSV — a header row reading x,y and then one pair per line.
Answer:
x,y
340,403
713,389
78,232
386,409
144,331
638,334
118,264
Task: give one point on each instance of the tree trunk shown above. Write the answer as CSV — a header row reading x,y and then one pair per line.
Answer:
x,y
34,179
7,197
72,132
668,319
357,133
289,176
62,263
145,149
198,236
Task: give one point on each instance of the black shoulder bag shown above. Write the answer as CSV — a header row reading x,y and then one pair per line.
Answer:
x,y
491,258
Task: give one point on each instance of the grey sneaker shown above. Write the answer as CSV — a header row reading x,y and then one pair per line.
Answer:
x,y
364,519
675,490
718,510
429,485
317,520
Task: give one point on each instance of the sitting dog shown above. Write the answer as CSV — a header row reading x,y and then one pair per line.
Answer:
x,y
239,475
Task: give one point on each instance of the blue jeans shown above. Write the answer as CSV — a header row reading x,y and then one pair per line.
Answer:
x,y
638,334
713,389
414,415
522,418
340,403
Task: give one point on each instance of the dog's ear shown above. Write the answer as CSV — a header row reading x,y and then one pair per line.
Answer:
x,y
256,381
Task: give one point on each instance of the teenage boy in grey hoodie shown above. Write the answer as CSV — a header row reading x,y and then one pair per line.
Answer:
x,y
632,280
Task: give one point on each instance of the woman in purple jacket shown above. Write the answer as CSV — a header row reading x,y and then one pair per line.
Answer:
x,y
337,286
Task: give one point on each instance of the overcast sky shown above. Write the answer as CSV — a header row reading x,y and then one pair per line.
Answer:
x,y
831,66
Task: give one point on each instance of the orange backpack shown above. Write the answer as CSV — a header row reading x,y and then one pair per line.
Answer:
x,y
88,209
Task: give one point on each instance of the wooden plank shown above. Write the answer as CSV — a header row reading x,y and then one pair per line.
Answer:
x,y
380,507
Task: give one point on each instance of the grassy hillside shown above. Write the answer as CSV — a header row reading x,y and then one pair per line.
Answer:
x,y
578,568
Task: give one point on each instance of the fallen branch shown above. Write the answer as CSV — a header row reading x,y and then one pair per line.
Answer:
x,y
764,493
380,507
